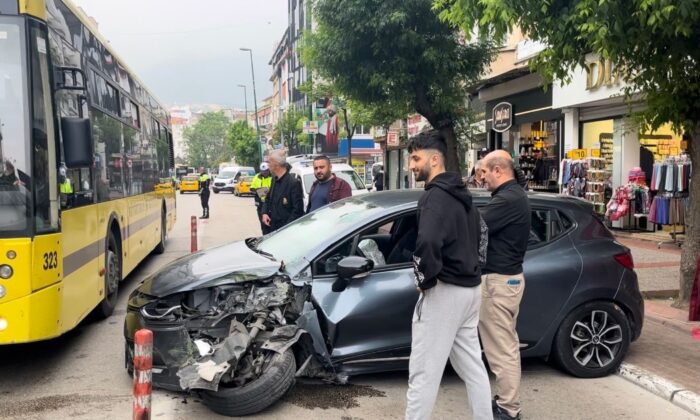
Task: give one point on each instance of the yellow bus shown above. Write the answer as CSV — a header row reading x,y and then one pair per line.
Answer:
x,y
84,147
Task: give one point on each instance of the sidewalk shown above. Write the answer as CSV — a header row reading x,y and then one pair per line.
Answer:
x,y
658,269
668,351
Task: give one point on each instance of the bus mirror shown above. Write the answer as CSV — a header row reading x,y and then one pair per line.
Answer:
x,y
70,78
77,142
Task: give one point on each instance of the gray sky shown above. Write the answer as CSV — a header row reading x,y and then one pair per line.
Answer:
x,y
187,51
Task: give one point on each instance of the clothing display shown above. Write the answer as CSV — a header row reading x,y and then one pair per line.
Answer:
x,y
586,178
673,175
668,210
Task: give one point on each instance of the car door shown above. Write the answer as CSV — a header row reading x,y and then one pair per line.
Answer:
x,y
371,318
552,268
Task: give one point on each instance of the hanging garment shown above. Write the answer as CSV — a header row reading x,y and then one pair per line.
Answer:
x,y
652,211
668,185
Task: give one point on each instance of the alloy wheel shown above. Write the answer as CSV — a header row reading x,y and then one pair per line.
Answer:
x,y
596,339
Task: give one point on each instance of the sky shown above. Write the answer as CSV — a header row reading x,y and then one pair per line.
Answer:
x,y
187,51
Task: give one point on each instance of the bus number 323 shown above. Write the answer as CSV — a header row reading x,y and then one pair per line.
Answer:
x,y
50,260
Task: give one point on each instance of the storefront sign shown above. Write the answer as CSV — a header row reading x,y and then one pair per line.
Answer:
x,y
502,117
539,144
392,139
600,73
577,154
310,127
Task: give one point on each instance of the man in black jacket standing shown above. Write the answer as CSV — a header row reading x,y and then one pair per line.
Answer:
x,y
507,216
285,202
448,277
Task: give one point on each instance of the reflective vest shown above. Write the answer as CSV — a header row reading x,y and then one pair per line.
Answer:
x,y
261,182
204,182
66,187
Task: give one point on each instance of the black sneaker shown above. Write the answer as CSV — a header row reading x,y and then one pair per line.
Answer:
x,y
501,414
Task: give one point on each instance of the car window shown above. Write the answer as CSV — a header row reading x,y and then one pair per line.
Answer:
x,y
545,226
190,178
351,178
390,242
226,174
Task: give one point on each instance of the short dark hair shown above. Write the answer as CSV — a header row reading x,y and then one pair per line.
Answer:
x,y
431,139
322,157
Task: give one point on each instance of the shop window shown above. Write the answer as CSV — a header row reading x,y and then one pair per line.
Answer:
x,y
597,139
537,148
663,142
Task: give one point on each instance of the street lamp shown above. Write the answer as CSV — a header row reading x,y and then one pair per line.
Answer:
x,y
255,99
245,99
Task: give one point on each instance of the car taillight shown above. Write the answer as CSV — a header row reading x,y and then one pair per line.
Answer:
x,y
625,260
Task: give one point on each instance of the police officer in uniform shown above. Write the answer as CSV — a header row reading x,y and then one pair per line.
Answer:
x,y
204,192
261,187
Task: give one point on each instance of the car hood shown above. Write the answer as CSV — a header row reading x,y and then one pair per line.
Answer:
x,y
231,263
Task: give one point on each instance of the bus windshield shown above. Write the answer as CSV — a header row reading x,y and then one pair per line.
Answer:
x,y
15,169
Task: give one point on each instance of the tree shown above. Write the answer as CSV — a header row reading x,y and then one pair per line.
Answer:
x,y
205,141
654,43
242,140
288,130
396,54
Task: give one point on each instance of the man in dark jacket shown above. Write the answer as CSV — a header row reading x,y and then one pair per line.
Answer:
x,y
448,276
327,188
507,216
285,202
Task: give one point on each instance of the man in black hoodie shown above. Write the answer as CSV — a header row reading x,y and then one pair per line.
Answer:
x,y
447,261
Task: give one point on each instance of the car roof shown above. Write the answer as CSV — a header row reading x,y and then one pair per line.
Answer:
x,y
304,170
398,199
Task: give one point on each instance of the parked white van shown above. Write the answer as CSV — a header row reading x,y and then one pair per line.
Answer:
x,y
304,171
227,178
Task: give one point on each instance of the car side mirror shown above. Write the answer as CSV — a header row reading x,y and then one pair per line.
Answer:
x,y
350,268
77,142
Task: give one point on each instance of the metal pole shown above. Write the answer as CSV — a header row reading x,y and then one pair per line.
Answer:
x,y
245,101
255,101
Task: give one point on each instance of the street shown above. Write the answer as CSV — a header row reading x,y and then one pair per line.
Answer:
x,y
81,375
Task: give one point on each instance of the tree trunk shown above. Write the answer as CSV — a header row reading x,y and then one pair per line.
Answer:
x,y
691,245
451,160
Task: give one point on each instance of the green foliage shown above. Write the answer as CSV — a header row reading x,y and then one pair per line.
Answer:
x,y
205,141
655,42
289,130
394,57
242,140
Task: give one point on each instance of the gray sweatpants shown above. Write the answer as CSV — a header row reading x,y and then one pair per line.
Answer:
x,y
445,324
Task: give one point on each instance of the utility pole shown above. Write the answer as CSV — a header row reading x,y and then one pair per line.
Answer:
x,y
245,99
255,101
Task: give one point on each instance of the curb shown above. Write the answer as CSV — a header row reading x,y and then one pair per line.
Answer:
x,y
665,389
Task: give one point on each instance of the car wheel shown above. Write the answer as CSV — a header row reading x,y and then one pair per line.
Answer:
x,y
276,379
215,190
592,340
113,275
182,192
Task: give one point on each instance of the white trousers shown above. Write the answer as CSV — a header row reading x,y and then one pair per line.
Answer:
x,y
445,324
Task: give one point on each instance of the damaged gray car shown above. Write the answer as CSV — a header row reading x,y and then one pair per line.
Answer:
x,y
332,294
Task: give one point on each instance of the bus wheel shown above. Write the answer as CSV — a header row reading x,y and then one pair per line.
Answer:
x,y
160,248
113,275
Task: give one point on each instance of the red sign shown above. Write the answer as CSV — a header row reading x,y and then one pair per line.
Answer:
x,y
392,139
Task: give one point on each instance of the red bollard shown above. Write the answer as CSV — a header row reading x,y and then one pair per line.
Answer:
x,y
143,363
193,234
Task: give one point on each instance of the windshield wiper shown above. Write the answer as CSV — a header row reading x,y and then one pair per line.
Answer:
x,y
253,245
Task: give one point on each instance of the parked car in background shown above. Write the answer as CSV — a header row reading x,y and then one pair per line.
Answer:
x,y
238,322
227,178
304,172
243,186
189,183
